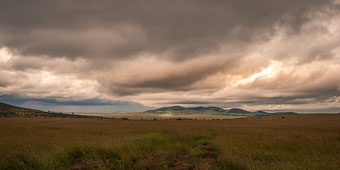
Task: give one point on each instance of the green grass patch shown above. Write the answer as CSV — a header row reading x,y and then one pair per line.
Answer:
x,y
20,162
154,150
88,157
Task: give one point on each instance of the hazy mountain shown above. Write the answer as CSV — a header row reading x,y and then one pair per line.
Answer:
x,y
236,110
7,110
210,110
263,112
283,113
190,110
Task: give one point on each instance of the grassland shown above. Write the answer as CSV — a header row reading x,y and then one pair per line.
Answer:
x,y
269,142
151,116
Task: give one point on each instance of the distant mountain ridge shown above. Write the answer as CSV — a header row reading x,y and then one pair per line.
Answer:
x,y
7,110
210,110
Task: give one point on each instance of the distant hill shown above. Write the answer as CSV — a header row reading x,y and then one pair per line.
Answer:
x,y
210,110
236,110
172,108
189,110
7,110
283,113
263,112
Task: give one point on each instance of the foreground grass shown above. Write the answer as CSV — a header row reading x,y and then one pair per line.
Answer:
x,y
153,150
156,150
273,142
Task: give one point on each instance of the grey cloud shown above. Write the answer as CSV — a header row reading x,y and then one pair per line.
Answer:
x,y
4,83
320,53
180,78
5,80
286,100
319,87
255,101
19,99
185,28
190,103
319,81
62,104
327,110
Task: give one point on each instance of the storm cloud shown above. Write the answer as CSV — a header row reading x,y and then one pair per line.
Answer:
x,y
268,53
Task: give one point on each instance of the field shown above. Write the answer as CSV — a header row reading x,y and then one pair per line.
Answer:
x,y
149,116
269,142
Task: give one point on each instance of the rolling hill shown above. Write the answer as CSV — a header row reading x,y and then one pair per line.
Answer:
x,y
179,110
7,110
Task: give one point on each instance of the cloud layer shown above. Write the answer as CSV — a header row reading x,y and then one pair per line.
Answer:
x,y
268,54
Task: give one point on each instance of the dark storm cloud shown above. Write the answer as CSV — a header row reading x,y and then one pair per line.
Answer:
x,y
76,105
4,83
121,29
181,79
19,100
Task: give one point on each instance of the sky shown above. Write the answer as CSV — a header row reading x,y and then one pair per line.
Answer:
x,y
135,55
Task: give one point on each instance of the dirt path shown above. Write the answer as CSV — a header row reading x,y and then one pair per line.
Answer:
x,y
209,159
200,157
182,162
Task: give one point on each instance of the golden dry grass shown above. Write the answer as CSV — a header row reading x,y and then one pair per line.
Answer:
x,y
270,142
151,116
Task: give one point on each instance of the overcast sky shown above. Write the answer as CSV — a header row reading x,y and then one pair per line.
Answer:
x,y
133,55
